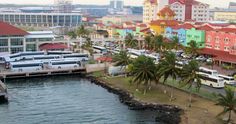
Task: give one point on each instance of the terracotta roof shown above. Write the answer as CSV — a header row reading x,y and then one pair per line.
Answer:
x,y
231,30
165,22
166,11
6,29
128,23
184,26
205,28
219,55
142,25
104,59
145,30
53,46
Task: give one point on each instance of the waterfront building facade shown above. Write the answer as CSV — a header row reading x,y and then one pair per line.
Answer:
x,y
41,19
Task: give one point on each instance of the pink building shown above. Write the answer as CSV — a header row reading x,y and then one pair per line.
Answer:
x,y
223,39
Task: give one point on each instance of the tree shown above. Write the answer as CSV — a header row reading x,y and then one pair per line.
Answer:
x,y
175,43
228,101
158,43
143,71
82,32
148,42
189,77
168,68
121,59
72,34
130,41
193,48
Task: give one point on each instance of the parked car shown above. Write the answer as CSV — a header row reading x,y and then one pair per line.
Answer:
x,y
209,60
201,58
185,56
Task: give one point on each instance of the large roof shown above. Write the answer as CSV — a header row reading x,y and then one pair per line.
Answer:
x,y
53,46
6,29
165,22
166,11
184,26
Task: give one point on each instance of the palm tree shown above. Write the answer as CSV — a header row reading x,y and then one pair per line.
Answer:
x,y
168,68
143,71
193,48
121,59
72,34
130,41
189,77
228,102
158,43
175,43
148,41
82,32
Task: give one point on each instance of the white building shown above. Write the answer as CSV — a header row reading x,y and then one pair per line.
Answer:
x,y
151,8
190,10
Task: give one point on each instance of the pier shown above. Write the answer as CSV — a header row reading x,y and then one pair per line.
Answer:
x,y
3,93
39,73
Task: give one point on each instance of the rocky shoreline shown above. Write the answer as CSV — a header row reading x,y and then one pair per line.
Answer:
x,y
167,114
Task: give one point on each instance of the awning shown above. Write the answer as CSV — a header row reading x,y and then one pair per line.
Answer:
x,y
104,59
219,55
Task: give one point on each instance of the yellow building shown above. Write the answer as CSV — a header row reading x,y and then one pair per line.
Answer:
x,y
225,15
149,10
165,19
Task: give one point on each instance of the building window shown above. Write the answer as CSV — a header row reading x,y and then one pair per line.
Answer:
x,y
30,39
226,48
226,40
3,49
17,42
16,49
30,47
3,42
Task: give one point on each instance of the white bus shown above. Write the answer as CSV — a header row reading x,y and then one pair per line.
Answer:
x,y
212,81
26,66
134,54
99,49
203,70
81,56
64,64
228,80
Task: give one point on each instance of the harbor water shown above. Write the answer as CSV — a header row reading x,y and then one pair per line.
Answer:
x,y
66,100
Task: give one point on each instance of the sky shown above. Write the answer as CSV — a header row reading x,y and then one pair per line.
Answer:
x,y
213,3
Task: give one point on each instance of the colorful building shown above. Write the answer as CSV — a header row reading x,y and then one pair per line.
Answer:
x,y
166,19
195,35
223,39
179,31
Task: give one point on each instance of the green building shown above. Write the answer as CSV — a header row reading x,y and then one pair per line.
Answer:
x,y
196,35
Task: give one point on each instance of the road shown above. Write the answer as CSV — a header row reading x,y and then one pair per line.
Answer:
x,y
214,90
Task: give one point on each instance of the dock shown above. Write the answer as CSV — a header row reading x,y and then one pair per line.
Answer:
x,y
3,93
40,73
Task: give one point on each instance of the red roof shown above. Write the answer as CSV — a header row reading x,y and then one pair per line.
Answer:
x,y
166,11
193,2
53,46
219,55
231,30
128,23
6,29
205,28
184,26
165,22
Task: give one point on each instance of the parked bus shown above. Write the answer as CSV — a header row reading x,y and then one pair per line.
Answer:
x,y
64,64
26,66
207,71
83,57
228,79
99,49
212,81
